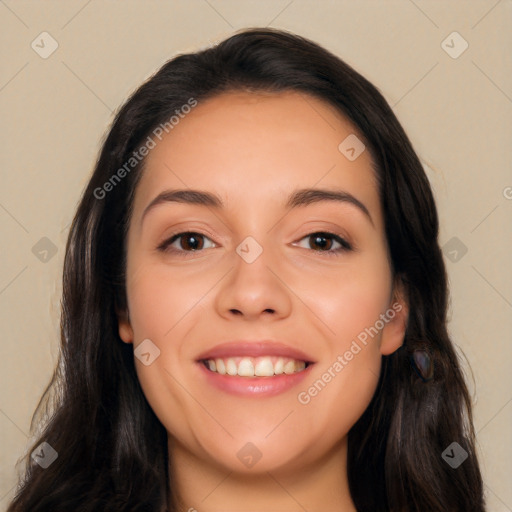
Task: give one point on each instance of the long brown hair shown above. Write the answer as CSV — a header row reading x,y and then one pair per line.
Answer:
x,y
112,450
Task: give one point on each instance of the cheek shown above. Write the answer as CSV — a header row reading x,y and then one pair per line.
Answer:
x,y
159,298
351,306
164,307
352,299
345,381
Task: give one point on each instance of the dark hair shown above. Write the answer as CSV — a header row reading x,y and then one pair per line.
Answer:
x,y
112,449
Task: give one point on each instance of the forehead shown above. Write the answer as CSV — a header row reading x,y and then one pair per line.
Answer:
x,y
258,147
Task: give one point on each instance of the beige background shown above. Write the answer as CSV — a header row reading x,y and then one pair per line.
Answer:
x,y
457,112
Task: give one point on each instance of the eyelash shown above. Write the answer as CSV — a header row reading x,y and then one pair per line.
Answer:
x,y
344,245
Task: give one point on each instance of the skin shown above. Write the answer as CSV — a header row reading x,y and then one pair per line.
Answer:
x,y
253,150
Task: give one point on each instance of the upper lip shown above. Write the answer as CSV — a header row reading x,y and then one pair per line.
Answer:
x,y
255,348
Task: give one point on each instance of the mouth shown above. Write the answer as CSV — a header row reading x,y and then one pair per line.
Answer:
x,y
262,366
257,368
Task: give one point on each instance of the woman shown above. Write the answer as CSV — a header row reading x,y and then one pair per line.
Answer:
x,y
254,303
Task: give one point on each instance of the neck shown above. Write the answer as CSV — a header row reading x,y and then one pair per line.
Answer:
x,y
204,487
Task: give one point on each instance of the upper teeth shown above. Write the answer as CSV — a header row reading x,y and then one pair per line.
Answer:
x,y
265,366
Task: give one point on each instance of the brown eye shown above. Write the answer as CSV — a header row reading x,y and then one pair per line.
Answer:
x,y
323,242
191,241
188,241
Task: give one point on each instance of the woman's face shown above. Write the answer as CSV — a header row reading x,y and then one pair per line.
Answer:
x,y
259,278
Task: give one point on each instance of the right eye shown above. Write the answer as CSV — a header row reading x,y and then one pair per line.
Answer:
x,y
190,241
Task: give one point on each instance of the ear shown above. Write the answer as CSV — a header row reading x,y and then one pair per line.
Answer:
x,y
124,325
397,316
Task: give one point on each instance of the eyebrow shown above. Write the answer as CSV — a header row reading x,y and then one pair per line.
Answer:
x,y
298,198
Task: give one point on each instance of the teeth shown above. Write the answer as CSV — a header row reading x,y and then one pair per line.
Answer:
x,y
246,368
221,367
289,367
266,366
231,368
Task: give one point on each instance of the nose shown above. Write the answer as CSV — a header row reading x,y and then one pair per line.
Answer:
x,y
254,289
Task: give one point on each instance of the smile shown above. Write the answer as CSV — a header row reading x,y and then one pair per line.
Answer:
x,y
264,366
242,376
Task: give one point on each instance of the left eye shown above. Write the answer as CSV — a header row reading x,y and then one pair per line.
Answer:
x,y
325,241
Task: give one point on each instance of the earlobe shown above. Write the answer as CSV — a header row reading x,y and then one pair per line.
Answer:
x,y
125,332
398,314
124,326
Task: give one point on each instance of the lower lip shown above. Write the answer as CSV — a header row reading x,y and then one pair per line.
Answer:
x,y
254,386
